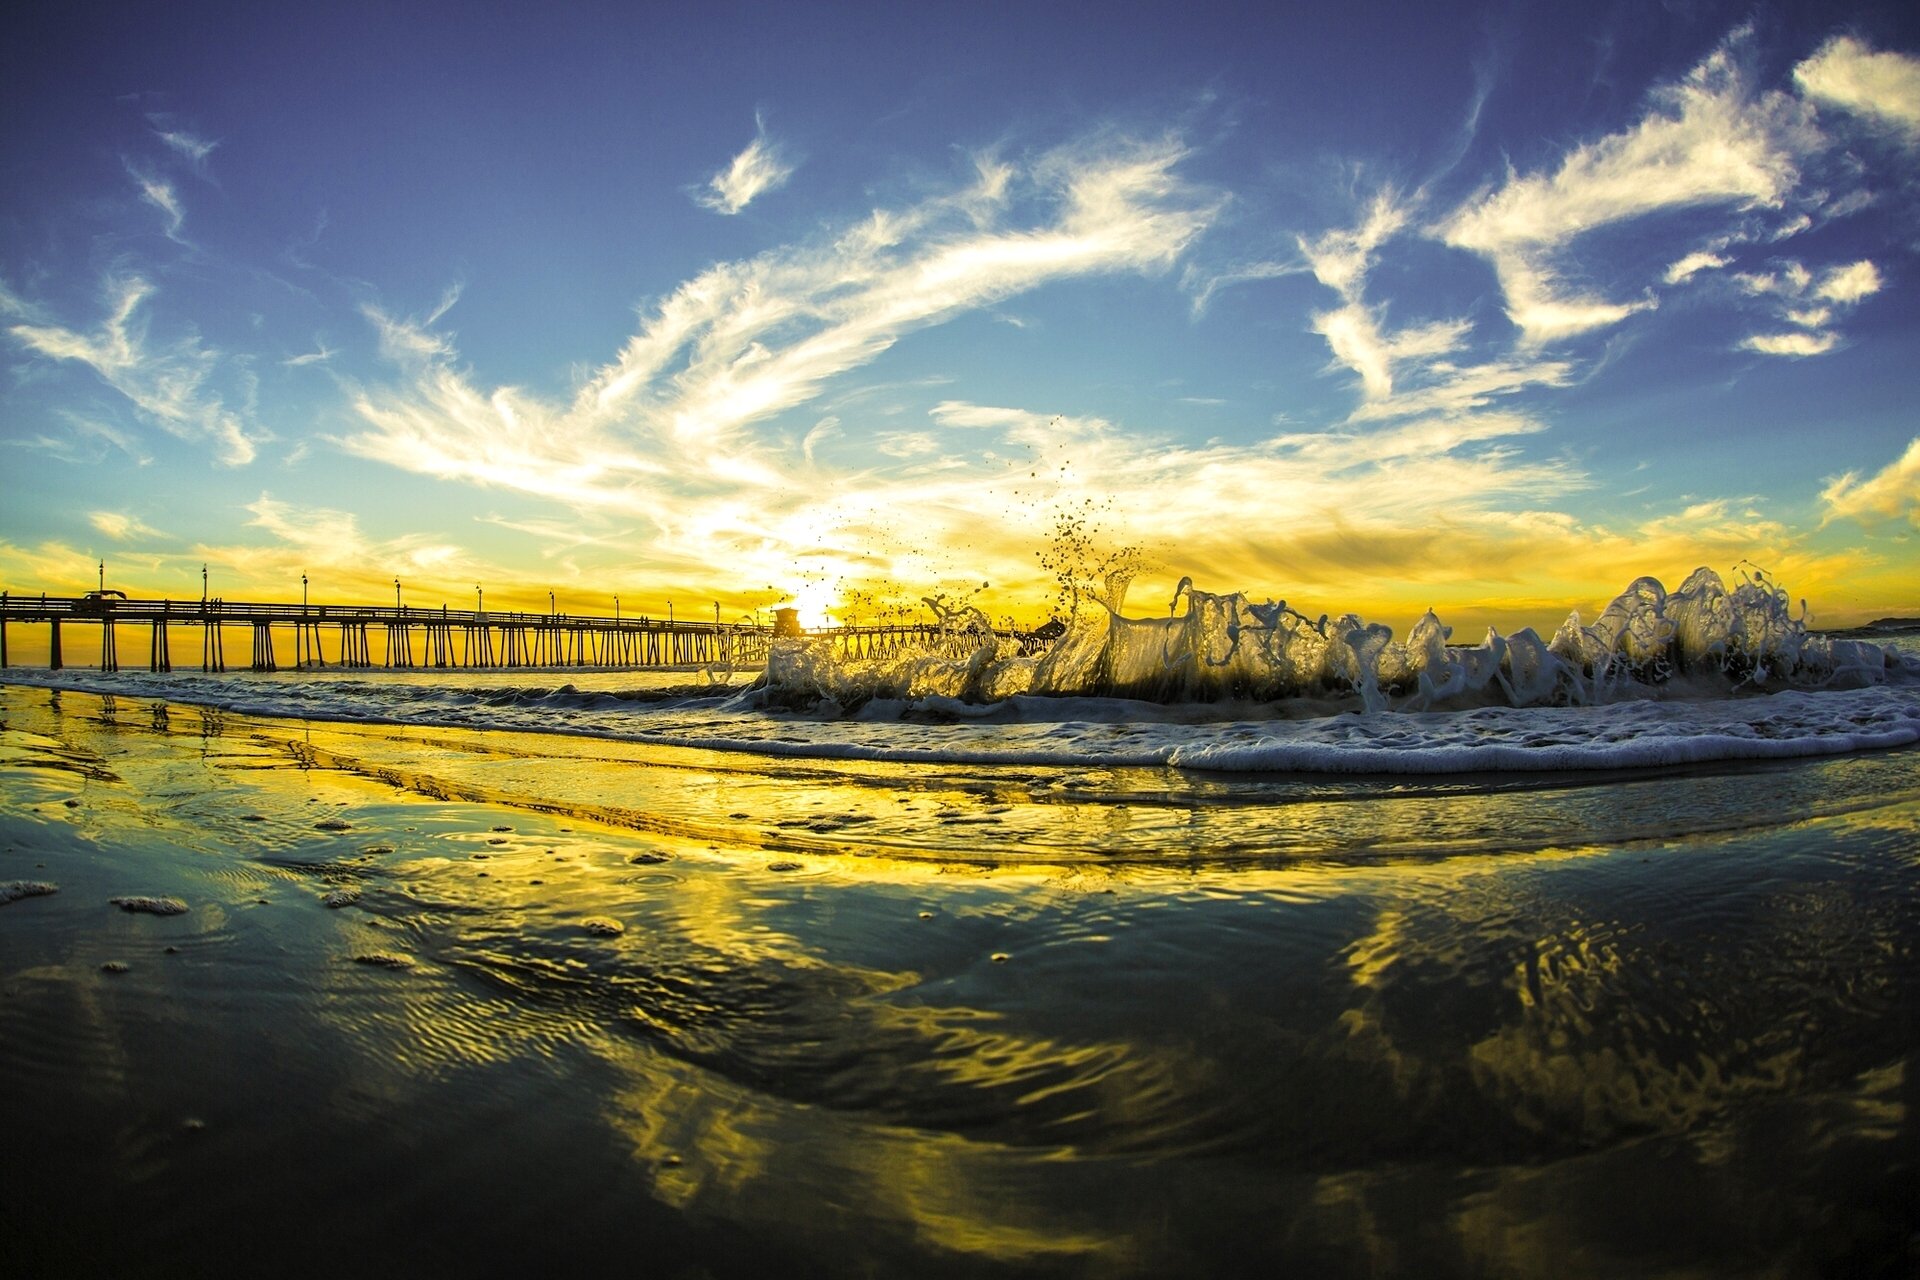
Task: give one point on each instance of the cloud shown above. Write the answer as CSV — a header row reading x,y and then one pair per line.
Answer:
x,y
822,431
560,536
194,150
1326,511
168,385
1882,87
88,441
1692,265
1709,140
1204,284
1791,344
1341,259
159,193
331,541
321,354
1810,302
679,416
1851,283
1891,494
122,527
754,172
1790,281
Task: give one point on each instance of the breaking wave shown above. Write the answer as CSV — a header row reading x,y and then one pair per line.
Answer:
x,y
1702,640
1227,685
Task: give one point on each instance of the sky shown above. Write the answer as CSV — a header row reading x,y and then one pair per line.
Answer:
x,y
1488,308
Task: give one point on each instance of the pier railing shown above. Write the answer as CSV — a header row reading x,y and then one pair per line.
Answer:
x,y
445,637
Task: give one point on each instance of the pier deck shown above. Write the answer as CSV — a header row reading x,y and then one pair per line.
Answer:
x,y
316,636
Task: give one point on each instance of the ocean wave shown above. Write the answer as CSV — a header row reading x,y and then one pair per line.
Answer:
x,y
1701,640
1659,680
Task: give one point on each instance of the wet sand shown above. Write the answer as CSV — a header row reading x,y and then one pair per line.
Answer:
x,y
446,1002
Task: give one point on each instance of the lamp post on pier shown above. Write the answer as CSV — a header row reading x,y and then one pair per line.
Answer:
x,y
479,599
103,575
303,593
553,609
616,609
203,586
396,595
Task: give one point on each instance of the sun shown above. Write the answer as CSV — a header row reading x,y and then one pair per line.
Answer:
x,y
816,606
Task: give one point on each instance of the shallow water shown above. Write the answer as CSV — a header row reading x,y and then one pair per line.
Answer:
x,y
713,1011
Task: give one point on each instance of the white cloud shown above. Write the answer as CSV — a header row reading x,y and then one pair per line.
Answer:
x,y
1884,87
1850,283
1204,284
194,150
323,538
754,172
1454,390
1340,260
1891,494
321,354
120,526
159,193
678,416
958,413
168,385
1808,301
87,441
1790,281
1709,140
1791,344
821,432
1692,265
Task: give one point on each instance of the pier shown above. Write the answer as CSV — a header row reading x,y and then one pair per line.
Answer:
x,y
403,637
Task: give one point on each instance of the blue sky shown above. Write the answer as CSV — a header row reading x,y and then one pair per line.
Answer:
x,y
1491,308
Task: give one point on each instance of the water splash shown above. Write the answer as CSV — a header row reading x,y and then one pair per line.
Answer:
x,y
1700,640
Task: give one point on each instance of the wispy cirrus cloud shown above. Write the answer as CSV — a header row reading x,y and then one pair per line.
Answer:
x,y
1340,260
160,193
321,354
1203,284
1881,87
761,168
680,412
1892,493
187,146
1712,139
1407,372
87,440
168,385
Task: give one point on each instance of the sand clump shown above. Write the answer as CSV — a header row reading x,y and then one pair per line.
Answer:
x,y
155,906
14,890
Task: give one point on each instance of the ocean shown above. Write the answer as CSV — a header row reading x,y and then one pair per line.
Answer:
x,y
1230,943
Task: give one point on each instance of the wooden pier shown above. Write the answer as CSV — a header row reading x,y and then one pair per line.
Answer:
x,y
407,638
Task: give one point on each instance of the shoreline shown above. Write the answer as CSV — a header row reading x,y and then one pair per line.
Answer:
x,y
735,1045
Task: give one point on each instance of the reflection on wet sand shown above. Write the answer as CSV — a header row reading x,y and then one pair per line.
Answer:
x,y
1686,1052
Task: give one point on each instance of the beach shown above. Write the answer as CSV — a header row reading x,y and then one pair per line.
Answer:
x,y
440,997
